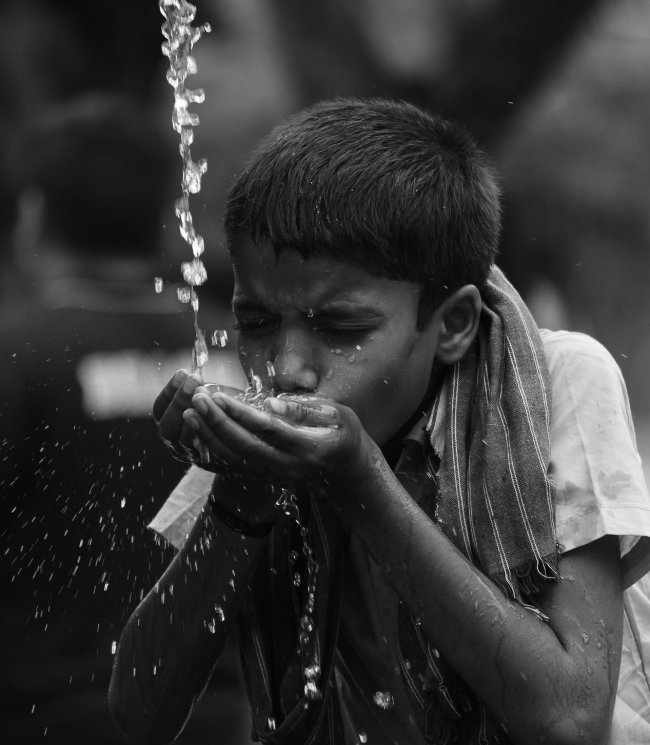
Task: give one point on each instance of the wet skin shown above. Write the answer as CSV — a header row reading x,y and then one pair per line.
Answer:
x,y
334,330
347,360
541,680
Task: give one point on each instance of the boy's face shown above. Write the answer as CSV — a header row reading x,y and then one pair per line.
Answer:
x,y
325,327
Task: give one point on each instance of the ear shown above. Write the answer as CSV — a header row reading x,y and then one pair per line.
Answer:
x,y
457,318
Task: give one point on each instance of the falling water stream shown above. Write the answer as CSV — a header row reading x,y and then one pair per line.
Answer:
x,y
180,37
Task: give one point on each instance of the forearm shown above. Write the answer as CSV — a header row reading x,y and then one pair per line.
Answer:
x,y
173,639
530,674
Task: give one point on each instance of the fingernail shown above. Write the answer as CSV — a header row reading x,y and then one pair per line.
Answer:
x,y
276,405
191,422
200,405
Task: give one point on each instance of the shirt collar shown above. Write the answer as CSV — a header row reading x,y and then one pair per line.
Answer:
x,y
430,427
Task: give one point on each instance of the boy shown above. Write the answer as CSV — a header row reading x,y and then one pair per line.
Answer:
x,y
420,438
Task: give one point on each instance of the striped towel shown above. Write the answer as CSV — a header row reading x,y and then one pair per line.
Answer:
x,y
496,502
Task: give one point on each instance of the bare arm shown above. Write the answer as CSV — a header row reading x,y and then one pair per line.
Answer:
x,y
552,683
173,640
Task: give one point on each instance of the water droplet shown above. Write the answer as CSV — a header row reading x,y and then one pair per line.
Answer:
x,y
384,699
113,647
183,294
200,351
271,724
194,272
270,369
363,738
158,284
220,338
297,579
256,383
220,614
312,691
198,245
123,502
307,623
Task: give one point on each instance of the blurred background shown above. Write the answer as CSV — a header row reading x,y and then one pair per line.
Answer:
x,y
556,92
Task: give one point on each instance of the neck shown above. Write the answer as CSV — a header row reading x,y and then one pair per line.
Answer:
x,y
392,449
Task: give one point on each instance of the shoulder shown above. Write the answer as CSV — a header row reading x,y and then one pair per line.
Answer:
x,y
595,464
579,350
585,378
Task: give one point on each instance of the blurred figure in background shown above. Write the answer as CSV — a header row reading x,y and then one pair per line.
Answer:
x,y
80,468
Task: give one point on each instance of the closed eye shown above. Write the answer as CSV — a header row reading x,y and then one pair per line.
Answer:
x,y
260,324
348,331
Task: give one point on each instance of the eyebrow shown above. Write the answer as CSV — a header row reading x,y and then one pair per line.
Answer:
x,y
333,309
345,309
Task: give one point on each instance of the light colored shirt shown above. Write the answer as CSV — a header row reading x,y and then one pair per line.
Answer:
x,y
601,490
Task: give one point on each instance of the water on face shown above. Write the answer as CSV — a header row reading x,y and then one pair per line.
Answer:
x,y
220,338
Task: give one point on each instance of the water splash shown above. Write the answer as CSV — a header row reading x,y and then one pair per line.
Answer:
x,y
220,338
180,38
384,699
288,503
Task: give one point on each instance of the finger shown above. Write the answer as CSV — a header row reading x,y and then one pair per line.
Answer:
x,y
164,398
170,424
283,435
240,433
302,410
204,439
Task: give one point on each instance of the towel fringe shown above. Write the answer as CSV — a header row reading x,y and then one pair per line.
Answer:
x,y
528,579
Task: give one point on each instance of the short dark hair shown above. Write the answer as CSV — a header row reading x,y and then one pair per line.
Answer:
x,y
104,167
381,184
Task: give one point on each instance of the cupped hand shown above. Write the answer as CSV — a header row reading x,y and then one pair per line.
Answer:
x,y
288,441
168,410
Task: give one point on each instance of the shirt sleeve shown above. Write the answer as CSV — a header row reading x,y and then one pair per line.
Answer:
x,y
595,464
178,514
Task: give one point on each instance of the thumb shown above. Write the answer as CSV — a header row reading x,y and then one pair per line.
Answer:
x,y
292,410
305,410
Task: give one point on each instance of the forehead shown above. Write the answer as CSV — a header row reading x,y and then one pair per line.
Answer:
x,y
265,277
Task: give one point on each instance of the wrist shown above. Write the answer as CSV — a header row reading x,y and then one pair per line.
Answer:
x,y
237,522
226,501
358,481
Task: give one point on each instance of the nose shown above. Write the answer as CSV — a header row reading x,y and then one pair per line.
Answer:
x,y
295,367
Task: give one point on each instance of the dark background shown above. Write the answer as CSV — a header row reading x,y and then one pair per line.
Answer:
x,y
557,93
